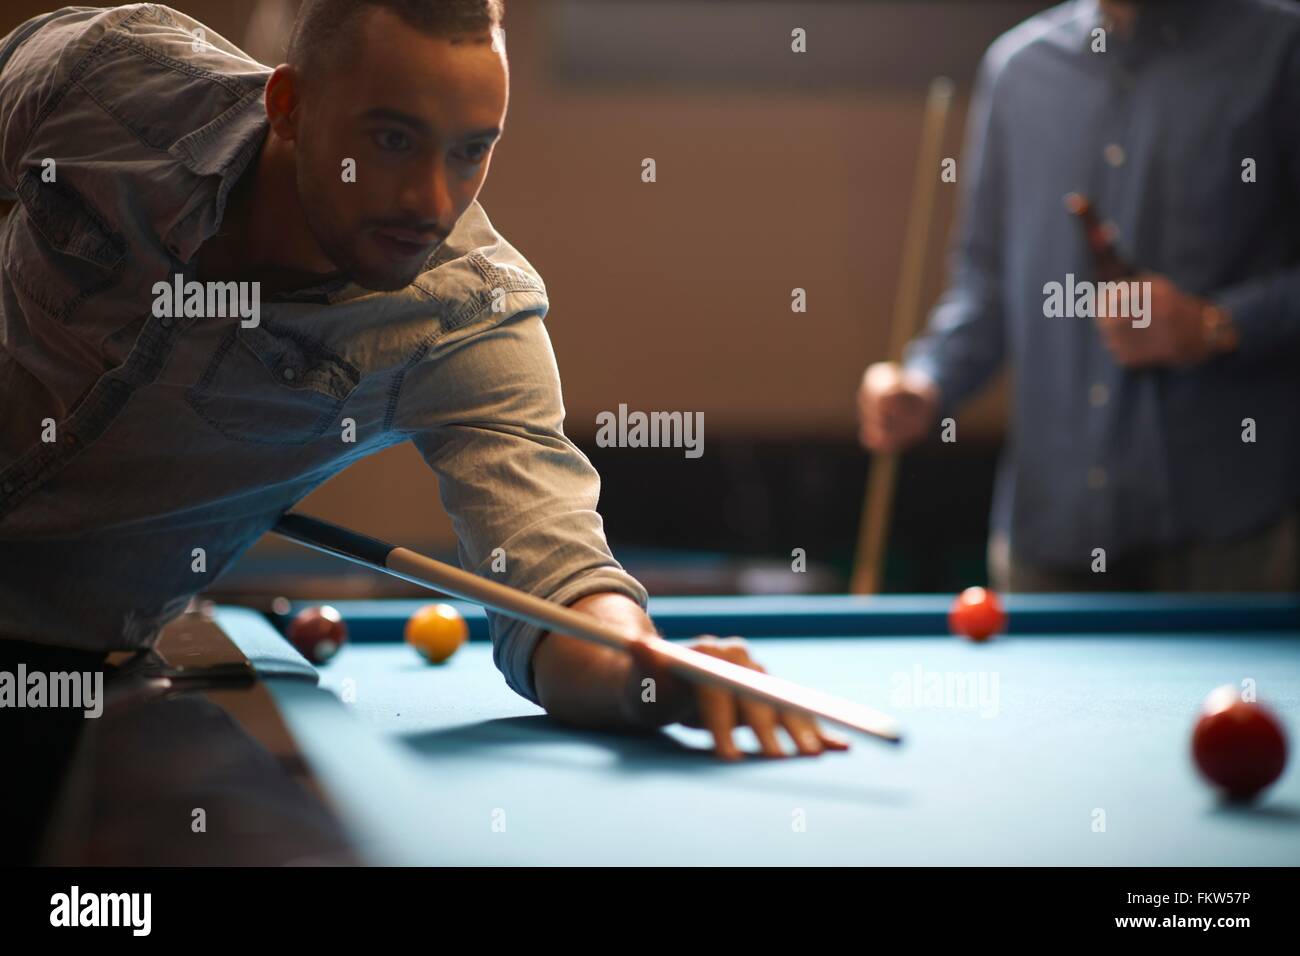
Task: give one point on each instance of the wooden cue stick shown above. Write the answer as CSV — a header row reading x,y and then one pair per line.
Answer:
x,y
873,530
691,665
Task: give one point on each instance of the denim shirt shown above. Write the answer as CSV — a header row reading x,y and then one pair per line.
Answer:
x,y
1155,131
185,433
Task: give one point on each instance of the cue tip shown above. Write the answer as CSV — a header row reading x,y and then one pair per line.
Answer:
x,y
891,736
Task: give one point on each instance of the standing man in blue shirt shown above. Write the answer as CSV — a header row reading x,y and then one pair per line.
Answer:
x,y
1162,452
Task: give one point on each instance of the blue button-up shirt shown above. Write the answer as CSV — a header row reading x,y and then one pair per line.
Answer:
x,y
1157,131
141,454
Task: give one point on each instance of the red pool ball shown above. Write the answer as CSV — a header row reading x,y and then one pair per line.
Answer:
x,y
318,633
977,614
1239,746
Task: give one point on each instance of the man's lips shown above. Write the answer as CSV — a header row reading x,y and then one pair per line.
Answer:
x,y
405,242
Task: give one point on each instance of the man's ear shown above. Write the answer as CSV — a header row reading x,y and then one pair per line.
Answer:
x,y
282,99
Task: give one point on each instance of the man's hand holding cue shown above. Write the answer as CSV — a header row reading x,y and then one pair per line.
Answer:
x,y
587,685
601,664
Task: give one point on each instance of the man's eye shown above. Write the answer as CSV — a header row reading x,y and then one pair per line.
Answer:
x,y
392,140
475,152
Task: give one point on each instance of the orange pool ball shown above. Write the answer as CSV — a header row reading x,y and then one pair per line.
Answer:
x,y
977,615
436,631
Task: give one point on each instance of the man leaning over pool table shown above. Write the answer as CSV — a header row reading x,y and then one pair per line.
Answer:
x,y
1173,449
389,300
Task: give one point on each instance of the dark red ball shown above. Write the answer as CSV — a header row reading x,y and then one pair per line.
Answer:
x,y
977,614
1239,746
318,633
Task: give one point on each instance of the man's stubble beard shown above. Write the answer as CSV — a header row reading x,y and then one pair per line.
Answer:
x,y
339,252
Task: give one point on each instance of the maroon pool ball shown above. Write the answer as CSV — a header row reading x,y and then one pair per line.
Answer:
x,y
318,633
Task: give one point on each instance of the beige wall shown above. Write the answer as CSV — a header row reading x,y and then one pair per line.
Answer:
x,y
677,294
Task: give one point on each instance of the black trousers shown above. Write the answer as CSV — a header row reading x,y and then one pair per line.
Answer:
x,y
36,748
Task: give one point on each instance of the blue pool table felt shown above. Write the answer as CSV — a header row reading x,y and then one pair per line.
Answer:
x,y
1079,754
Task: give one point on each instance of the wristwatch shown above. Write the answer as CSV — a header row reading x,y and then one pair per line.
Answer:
x,y
1220,331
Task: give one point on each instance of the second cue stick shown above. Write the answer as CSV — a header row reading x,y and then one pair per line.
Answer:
x,y
691,665
873,531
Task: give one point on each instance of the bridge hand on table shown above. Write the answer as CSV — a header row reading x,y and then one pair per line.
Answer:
x,y
719,711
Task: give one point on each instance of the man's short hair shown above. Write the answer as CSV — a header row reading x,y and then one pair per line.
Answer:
x,y
323,28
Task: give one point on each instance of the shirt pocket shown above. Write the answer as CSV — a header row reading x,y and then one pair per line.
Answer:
x,y
61,253
272,386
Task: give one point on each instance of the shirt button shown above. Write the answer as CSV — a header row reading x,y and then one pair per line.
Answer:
x,y
1096,477
289,374
1114,154
166,322
1098,395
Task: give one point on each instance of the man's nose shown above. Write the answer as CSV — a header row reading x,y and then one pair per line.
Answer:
x,y
430,199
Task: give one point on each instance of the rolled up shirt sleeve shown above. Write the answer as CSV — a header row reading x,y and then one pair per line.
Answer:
x,y
487,415
962,347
